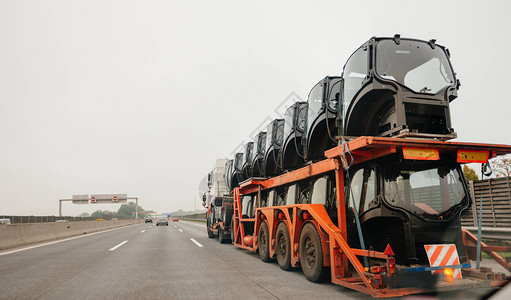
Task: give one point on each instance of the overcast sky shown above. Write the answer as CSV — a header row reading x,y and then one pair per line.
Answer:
x,y
141,97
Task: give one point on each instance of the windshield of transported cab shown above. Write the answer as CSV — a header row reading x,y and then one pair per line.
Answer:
x,y
414,64
429,192
289,121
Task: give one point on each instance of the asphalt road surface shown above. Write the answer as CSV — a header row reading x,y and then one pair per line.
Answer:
x,y
145,261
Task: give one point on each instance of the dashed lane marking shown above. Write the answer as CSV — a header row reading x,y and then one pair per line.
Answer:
x,y
196,243
115,247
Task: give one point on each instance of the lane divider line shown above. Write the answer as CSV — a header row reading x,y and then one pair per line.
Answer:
x,y
142,231
196,243
115,247
64,240
181,230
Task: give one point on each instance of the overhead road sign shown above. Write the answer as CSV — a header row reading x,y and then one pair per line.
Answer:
x,y
80,199
110,198
101,198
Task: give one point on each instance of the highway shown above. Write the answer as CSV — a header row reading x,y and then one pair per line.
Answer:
x,y
156,262
146,261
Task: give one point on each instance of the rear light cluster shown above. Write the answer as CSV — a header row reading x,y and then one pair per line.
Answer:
x,y
391,265
377,269
389,268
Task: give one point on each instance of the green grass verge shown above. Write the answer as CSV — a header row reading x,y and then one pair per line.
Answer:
x,y
503,254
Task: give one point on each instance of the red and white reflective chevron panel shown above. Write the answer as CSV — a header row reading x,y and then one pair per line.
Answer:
x,y
443,255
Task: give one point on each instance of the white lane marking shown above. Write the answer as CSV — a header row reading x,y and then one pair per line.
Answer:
x,y
60,241
142,231
115,247
180,230
196,243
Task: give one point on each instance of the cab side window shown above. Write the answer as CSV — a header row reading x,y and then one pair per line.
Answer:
x,y
291,195
362,190
247,206
319,191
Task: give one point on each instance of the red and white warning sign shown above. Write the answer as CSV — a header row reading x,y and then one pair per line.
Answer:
x,y
443,255
115,199
93,199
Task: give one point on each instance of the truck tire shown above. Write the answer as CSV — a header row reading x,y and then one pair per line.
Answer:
x,y
263,242
210,233
227,214
283,247
222,236
311,253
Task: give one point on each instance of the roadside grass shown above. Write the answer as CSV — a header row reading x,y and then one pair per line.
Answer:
x,y
505,255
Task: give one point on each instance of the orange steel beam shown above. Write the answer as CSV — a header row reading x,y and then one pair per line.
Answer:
x,y
299,174
370,253
237,215
468,236
492,248
365,143
341,218
251,186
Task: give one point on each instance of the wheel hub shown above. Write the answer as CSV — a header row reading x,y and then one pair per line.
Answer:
x,y
310,252
282,245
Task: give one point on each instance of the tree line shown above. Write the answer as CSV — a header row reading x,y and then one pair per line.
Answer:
x,y
126,211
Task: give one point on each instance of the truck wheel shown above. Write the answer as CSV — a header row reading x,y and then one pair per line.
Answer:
x,y
210,233
311,253
221,236
262,240
227,214
283,247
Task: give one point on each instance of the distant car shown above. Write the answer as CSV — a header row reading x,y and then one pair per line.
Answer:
x,y
175,220
148,220
100,219
61,221
5,221
115,219
162,222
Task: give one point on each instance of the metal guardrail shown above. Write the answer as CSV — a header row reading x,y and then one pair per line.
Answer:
x,y
200,216
492,233
42,219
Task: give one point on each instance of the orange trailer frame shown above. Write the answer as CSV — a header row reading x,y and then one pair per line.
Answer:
x,y
337,253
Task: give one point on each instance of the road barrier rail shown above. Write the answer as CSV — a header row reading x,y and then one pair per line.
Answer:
x,y
17,235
